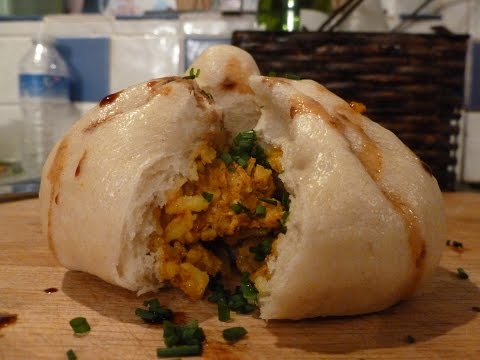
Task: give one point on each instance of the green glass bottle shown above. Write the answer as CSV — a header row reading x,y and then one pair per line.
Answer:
x,y
284,15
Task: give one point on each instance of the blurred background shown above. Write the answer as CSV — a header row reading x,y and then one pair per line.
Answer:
x,y
107,45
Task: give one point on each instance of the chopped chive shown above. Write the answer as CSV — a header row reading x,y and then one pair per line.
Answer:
x,y
235,302
262,250
234,333
462,274
269,201
239,208
155,313
223,311
226,158
242,162
80,325
285,200
261,211
188,334
192,74
71,355
181,350
207,196
248,289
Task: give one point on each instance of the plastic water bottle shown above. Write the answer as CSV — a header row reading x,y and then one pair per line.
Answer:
x,y
44,82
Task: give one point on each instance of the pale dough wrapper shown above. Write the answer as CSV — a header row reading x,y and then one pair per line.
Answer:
x,y
366,224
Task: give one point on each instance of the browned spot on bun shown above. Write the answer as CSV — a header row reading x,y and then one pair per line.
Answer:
x,y
109,99
165,90
57,198
427,168
80,163
161,81
154,84
235,80
53,176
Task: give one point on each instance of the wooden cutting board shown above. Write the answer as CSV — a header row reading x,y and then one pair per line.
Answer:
x,y
443,323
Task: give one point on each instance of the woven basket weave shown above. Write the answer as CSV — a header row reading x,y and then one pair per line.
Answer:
x,y
411,84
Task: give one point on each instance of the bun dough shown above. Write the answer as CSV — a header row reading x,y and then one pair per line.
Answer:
x,y
100,180
366,224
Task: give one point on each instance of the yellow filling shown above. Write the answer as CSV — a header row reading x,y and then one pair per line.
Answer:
x,y
189,221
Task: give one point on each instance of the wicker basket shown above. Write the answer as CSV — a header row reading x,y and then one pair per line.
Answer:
x,y
411,84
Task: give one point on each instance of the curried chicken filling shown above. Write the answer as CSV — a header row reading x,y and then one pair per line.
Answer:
x,y
229,218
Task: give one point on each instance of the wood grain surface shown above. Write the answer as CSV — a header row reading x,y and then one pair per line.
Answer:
x,y
443,323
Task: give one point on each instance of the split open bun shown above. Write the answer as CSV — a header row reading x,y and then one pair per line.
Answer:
x,y
365,224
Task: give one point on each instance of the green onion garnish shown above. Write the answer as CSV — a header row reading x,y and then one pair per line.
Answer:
x,y
155,313
245,146
248,289
188,334
226,158
262,250
242,162
236,301
192,74
80,325
285,200
462,274
207,196
223,311
260,211
182,350
269,201
71,355
239,208
234,333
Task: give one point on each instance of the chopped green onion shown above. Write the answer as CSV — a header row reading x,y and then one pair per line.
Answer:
x,y
155,313
261,211
192,74
292,76
223,311
242,162
243,142
239,208
248,289
182,350
262,250
269,201
207,196
234,333
235,302
285,200
188,334
80,325
71,355
462,274
226,158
